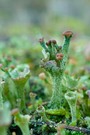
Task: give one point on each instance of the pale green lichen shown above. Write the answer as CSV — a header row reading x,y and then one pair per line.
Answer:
x,y
87,120
54,62
71,98
22,121
56,112
20,76
14,81
5,118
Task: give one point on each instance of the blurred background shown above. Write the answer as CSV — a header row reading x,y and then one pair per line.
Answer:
x,y
23,22
18,17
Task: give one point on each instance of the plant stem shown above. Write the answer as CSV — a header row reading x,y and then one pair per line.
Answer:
x,y
65,48
73,112
23,122
25,129
57,96
65,45
71,98
21,96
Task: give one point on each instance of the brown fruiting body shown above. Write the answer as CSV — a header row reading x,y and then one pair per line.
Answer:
x,y
59,56
84,88
15,111
48,43
68,33
41,40
42,76
12,66
54,41
6,69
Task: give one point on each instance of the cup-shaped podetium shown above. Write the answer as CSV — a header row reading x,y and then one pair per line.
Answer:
x,y
22,121
71,98
20,76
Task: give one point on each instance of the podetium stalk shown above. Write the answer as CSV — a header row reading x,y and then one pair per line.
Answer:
x,y
20,76
22,121
54,62
71,98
